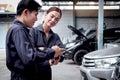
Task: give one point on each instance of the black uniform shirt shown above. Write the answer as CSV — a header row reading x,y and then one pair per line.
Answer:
x,y
40,39
21,56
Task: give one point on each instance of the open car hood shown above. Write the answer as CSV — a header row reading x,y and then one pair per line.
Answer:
x,y
75,30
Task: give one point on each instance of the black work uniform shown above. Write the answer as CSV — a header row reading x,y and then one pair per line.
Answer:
x,y
40,40
22,58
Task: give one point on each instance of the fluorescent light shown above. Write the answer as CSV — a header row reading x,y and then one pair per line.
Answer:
x,y
61,7
95,7
83,7
86,7
111,7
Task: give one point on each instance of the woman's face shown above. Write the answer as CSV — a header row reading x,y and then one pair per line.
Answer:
x,y
52,18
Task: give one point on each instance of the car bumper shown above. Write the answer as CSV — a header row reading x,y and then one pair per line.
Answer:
x,y
95,73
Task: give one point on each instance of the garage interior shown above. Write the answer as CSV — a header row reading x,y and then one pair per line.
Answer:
x,y
81,14
108,12
78,13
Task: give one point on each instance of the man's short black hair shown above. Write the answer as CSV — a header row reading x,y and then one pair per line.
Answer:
x,y
31,5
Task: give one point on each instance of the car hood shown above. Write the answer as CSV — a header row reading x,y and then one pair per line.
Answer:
x,y
104,53
75,30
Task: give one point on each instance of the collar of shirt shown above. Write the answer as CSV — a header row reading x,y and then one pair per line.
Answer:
x,y
40,27
16,21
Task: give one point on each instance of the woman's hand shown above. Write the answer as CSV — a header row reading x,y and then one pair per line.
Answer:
x,y
41,48
57,50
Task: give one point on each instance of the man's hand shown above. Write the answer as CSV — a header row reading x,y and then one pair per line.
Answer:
x,y
54,62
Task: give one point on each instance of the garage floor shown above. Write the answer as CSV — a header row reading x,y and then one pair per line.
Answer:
x,y
63,71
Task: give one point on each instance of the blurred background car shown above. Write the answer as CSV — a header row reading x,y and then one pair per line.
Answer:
x,y
87,43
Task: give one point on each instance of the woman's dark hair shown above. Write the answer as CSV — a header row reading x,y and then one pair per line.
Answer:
x,y
31,5
55,9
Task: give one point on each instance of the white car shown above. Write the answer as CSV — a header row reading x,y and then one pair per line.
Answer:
x,y
100,64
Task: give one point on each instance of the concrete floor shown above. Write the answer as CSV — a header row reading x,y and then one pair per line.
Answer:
x,y
63,71
66,71
4,72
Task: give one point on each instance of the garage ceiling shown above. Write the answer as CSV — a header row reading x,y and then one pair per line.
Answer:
x,y
89,13
76,0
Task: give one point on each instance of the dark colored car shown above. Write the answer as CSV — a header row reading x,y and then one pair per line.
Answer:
x,y
84,44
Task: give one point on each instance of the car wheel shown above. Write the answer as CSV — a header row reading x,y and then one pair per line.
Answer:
x,y
79,55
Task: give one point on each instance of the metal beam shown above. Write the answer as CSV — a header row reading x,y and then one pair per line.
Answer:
x,y
76,0
100,24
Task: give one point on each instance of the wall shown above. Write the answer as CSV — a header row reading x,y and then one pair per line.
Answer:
x,y
3,30
61,27
91,22
2,35
85,22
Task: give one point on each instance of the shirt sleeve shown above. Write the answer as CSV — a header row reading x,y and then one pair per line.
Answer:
x,y
27,53
59,42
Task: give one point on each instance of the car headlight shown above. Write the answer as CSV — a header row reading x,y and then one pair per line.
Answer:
x,y
109,45
106,63
70,45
